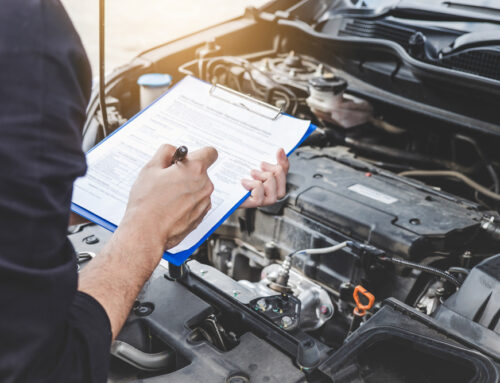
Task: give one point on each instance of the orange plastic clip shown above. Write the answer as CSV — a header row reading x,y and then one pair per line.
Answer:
x,y
360,308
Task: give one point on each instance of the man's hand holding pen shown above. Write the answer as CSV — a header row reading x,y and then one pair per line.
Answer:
x,y
171,195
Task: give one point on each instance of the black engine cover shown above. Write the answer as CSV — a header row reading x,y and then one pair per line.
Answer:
x,y
402,216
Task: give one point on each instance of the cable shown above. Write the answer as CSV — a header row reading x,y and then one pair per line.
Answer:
x,y
450,173
423,268
248,66
388,127
458,270
229,75
284,272
324,250
482,156
275,91
102,96
387,151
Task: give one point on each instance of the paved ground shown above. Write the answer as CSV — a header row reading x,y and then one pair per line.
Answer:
x,y
136,25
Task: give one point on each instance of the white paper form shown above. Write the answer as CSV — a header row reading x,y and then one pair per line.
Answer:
x,y
186,115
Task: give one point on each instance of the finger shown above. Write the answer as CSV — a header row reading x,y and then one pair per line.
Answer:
x,y
270,186
283,160
163,156
280,176
207,155
267,167
261,176
257,196
270,191
250,184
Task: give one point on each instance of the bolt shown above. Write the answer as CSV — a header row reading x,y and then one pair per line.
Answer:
x,y
286,321
91,240
143,309
261,303
236,293
203,272
440,291
466,259
210,44
324,310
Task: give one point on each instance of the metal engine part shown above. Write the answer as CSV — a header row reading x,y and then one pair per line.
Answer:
x,y
292,69
317,307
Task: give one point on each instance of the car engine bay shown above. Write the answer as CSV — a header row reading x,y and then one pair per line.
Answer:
x,y
380,264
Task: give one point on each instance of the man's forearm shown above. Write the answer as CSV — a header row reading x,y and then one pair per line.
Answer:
x,y
115,276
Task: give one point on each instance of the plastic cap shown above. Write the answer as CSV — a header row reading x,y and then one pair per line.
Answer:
x,y
329,83
308,355
155,80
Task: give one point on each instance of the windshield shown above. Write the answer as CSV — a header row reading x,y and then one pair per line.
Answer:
x,y
134,26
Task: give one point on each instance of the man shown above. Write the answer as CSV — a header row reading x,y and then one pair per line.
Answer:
x,y
54,325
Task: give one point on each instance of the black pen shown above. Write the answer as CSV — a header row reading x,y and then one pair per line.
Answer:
x,y
179,154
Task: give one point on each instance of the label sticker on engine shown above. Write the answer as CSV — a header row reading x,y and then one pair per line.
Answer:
x,y
373,194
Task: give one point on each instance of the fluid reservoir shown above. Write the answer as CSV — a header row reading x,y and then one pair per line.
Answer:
x,y
328,101
152,86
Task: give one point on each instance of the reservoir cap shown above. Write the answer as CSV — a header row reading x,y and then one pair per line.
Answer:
x,y
155,80
328,83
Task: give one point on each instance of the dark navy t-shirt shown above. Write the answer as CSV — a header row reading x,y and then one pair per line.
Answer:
x,y
49,332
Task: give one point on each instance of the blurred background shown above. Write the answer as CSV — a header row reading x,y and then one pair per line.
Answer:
x,y
136,25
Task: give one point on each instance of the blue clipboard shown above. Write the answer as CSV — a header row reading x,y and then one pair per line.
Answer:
x,y
178,258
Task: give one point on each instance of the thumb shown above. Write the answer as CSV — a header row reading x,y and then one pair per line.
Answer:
x,y
163,156
207,155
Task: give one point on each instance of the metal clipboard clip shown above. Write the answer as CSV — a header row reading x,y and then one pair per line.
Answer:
x,y
260,108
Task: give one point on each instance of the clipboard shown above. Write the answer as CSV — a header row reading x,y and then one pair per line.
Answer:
x,y
218,90
247,102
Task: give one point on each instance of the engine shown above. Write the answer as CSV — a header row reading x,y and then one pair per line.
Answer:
x,y
385,223
350,189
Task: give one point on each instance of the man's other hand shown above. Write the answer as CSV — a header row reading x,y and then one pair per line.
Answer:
x,y
268,184
169,201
